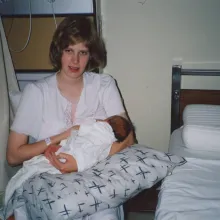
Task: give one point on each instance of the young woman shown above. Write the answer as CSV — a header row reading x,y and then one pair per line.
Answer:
x,y
50,107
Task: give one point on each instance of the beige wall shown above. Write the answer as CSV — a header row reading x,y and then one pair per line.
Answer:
x,y
143,41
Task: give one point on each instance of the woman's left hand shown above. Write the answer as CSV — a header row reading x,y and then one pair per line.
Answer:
x,y
68,166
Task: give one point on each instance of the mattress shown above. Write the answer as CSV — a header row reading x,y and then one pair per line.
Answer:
x,y
178,147
191,192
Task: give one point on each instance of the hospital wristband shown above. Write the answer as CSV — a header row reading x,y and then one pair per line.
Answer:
x,y
47,141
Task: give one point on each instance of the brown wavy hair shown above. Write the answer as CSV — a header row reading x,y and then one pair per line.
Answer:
x,y
73,30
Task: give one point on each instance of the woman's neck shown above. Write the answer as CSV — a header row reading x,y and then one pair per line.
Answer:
x,y
70,88
67,81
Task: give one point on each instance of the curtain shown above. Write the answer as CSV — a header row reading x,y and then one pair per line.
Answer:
x,y
8,82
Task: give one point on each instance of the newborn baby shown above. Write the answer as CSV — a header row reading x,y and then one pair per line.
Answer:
x,y
91,142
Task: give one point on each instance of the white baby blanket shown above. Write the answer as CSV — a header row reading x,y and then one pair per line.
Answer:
x,y
89,145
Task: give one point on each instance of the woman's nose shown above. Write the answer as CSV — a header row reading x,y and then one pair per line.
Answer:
x,y
75,58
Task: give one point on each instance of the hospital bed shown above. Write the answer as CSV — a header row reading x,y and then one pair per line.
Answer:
x,y
192,191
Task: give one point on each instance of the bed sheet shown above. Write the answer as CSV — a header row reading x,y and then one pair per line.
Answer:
x,y
191,192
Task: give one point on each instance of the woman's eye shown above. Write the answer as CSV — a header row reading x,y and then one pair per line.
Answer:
x,y
84,53
68,50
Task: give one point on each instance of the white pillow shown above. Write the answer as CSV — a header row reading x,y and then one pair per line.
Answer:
x,y
199,137
201,127
14,97
200,114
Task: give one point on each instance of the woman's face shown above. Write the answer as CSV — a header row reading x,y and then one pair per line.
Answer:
x,y
74,60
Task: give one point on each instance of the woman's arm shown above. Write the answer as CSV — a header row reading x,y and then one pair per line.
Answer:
x,y
71,165
19,151
119,146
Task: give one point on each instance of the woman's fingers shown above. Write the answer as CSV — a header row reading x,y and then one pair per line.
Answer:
x,y
69,165
56,162
63,156
65,163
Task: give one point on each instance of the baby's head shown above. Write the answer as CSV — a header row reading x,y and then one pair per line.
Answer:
x,y
120,126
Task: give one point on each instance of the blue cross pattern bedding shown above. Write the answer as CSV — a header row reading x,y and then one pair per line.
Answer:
x,y
107,184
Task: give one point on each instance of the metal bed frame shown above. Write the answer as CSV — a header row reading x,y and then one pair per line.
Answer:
x,y
177,73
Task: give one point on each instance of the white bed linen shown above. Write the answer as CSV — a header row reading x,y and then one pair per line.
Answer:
x,y
192,192
178,147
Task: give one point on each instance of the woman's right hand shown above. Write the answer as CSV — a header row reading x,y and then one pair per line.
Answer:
x,y
19,150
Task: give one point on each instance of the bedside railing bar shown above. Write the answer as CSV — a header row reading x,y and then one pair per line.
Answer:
x,y
200,72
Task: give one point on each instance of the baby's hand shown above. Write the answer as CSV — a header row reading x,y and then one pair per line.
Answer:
x,y
51,149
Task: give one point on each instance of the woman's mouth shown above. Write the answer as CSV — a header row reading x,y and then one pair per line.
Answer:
x,y
73,69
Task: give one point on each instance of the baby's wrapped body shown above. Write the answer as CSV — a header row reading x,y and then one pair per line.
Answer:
x,y
90,144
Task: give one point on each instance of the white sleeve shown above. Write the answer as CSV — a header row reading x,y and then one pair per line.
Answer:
x,y
112,100
28,118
